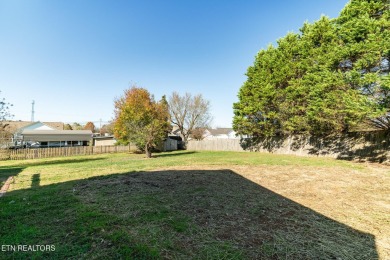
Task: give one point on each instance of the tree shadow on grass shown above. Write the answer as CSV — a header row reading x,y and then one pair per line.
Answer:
x,y
188,214
172,154
36,180
49,161
8,171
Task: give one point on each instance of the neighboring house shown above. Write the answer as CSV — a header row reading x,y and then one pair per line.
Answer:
x,y
219,133
56,138
48,134
14,126
209,133
175,130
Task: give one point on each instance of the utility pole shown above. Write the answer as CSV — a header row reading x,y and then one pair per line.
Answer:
x,y
32,111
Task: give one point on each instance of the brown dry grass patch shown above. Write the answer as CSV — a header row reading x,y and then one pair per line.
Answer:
x,y
255,212
359,199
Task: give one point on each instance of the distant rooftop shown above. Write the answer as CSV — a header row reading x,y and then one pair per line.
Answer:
x,y
220,131
12,126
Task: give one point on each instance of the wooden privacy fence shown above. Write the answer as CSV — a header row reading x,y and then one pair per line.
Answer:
x,y
362,146
36,153
215,145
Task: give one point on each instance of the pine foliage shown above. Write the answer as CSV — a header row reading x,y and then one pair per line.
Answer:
x,y
330,78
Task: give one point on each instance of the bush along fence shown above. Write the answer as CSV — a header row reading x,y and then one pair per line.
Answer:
x,y
36,153
361,146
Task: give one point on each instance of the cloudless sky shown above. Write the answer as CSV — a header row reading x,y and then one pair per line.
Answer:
x,y
74,57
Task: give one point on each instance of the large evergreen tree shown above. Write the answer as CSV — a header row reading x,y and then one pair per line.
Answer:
x,y
327,79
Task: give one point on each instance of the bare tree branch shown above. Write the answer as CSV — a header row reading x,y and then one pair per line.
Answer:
x,y
189,112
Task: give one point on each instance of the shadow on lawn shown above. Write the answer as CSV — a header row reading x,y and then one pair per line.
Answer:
x,y
172,154
36,180
7,171
174,214
56,162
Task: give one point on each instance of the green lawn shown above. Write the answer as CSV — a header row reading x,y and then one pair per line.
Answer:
x,y
203,205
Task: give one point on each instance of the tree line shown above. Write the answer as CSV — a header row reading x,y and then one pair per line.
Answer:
x,y
330,78
107,128
141,120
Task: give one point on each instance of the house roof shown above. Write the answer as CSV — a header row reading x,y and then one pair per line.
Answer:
x,y
175,130
220,131
56,135
13,126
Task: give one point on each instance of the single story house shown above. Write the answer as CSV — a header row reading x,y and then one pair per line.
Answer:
x,y
38,134
56,138
14,126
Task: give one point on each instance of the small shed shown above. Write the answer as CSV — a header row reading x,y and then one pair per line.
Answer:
x,y
103,140
170,145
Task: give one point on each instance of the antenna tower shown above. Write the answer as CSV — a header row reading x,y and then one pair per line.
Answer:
x,y
32,111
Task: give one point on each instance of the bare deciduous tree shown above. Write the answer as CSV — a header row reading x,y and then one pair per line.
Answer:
x,y
107,129
198,133
188,113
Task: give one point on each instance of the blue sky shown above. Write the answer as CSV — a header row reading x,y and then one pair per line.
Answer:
x,y
74,57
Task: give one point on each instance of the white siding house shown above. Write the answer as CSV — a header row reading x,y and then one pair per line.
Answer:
x,y
220,133
39,134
